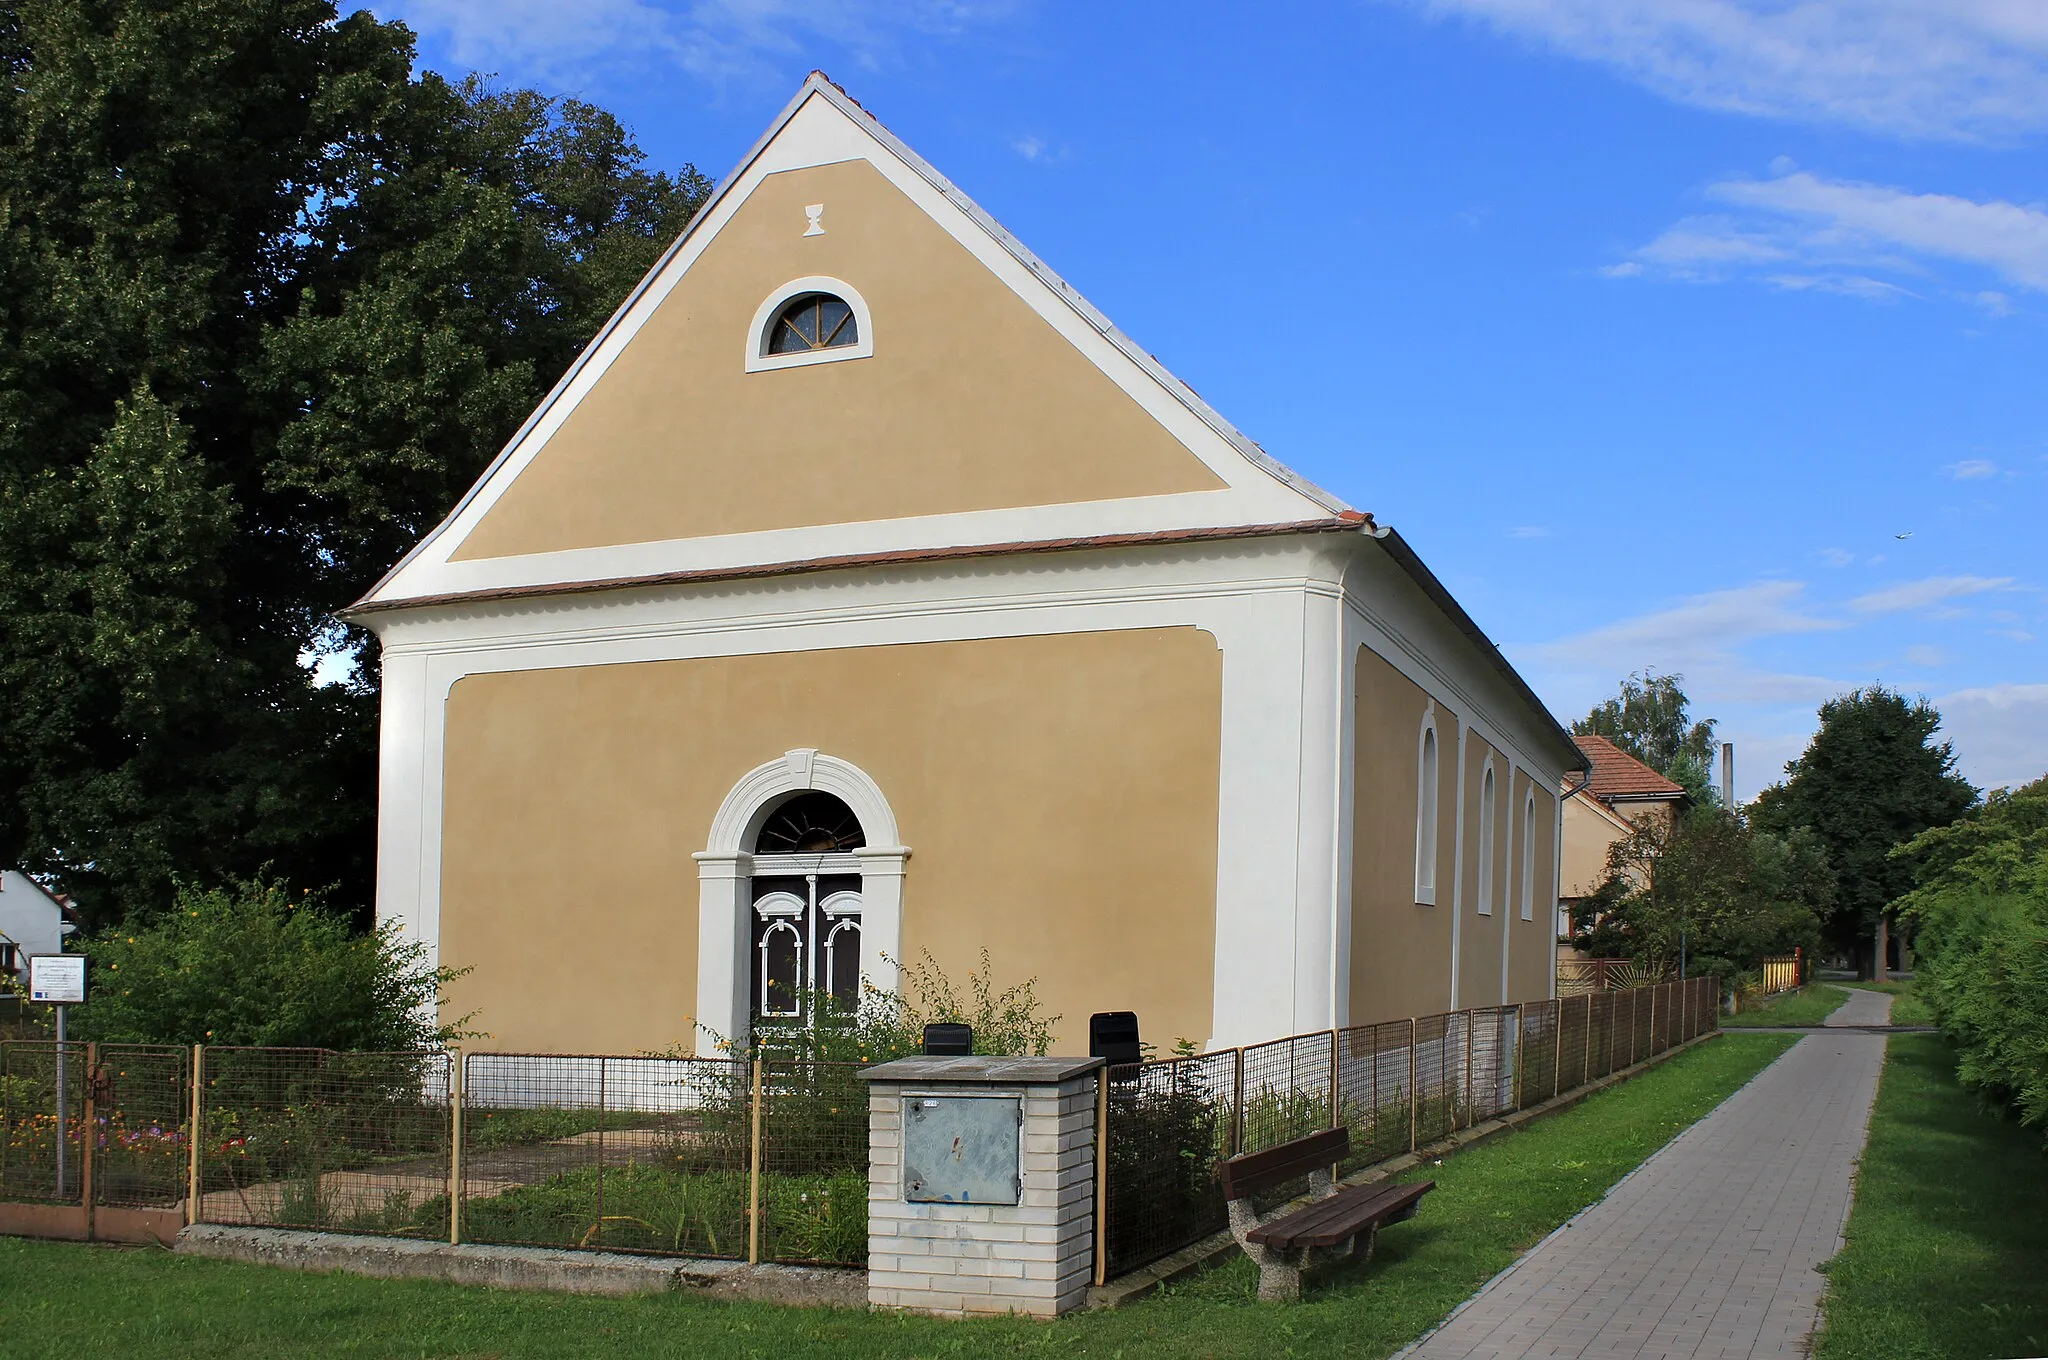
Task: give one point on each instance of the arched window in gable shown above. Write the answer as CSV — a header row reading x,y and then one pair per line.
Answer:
x,y
812,321
1426,814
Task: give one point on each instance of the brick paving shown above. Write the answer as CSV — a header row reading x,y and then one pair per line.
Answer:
x,y
1709,1249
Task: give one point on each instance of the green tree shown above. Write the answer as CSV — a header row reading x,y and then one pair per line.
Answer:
x,y
269,300
1650,719
1979,910
1872,778
252,964
1710,886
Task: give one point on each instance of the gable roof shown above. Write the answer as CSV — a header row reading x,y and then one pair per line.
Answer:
x,y
820,126
1620,777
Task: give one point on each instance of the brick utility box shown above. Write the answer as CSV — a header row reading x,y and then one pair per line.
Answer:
x,y
981,1184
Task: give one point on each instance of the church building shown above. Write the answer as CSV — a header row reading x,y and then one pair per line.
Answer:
x,y
861,594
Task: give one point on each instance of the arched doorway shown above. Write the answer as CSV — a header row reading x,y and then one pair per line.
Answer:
x,y
800,890
807,906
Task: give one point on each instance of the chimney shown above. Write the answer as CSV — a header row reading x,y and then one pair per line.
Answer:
x,y
1728,775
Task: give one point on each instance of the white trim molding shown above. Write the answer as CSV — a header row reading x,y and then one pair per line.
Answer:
x,y
759,360
725,868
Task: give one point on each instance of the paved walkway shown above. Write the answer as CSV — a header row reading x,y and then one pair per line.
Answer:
x,y
1708,1250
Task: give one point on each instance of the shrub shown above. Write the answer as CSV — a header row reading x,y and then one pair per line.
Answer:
x,y
251,964
1980,917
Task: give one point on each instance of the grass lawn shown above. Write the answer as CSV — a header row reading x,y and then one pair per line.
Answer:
x,y
1808,1005
1947,1253
1492,1202
1907,1007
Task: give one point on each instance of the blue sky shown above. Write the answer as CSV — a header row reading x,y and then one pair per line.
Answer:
x,y
1703,335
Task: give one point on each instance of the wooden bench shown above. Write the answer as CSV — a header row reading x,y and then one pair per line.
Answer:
x,y
1326,1229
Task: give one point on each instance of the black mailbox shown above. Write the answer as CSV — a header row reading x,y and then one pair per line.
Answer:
x,y
1113,1036
948,1041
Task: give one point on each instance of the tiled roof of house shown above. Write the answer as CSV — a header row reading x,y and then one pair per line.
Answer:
x,y
1617,774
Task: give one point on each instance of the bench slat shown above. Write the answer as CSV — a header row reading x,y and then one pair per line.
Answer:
x,y
1335,1219
1251,1172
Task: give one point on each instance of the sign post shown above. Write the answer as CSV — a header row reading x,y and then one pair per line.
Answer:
x,y
58,980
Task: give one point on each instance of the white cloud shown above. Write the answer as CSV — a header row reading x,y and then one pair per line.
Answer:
x,y
1802,231
1697,628
567,45
1969,469
1030,148
1530,531
1924,594
2006,237
2000,732
1837,557
1926,656
1918,68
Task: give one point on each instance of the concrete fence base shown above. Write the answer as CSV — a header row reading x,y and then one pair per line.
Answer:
x,y
571,1272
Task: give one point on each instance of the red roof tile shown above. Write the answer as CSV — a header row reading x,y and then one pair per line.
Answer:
x,y
1617,774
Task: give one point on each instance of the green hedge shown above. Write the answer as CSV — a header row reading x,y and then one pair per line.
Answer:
x,y
1980,917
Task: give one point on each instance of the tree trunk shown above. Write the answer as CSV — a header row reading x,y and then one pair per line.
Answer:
x,y
1883,942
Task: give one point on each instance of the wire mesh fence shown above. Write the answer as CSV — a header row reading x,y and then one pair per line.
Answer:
x,y
1395,1086
1374,1089
313,1138
631,1154
1168,1124
141,1125
42,1107
813,1191
732,1158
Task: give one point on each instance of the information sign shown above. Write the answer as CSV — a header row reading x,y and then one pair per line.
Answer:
x,y
56,978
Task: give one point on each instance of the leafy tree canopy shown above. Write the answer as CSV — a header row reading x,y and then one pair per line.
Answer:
x,y
1872,778
1650,719
1707,882
1979,907
269,301
252,964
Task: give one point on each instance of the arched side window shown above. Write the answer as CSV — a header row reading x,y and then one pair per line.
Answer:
x,y
1529,856
810,320
1485,899
1426,813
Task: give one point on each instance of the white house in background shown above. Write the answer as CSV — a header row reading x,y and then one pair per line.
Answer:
x,y
31,922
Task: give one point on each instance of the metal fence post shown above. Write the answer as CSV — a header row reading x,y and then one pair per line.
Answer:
x,y
1586,1065
1336,1119
89,1135
193,1188
1237,1106
1471,1105
1557,1055
754,1176
1101,1175
1518,1054
1412,1094
455,1096
599,1227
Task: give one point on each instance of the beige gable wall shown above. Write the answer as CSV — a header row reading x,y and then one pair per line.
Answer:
x,y
1400,951
1059,795
971,401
